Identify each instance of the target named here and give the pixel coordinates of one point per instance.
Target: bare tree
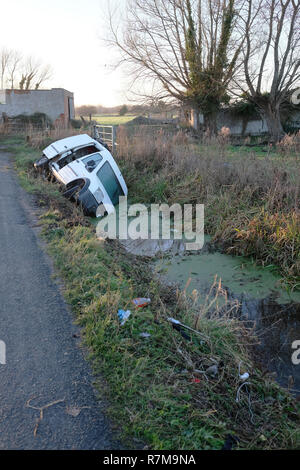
(4, 61)
(44, 75)
(188, 49)
(28, 72)
(34, 74)
(271, 74)
(13, 66)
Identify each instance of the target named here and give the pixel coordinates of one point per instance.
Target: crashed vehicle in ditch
(87, 171)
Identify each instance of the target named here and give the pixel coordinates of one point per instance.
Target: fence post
(113, 138)
(94, 135)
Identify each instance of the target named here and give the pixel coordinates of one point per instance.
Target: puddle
(238, 274)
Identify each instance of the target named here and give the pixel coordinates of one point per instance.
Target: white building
(238, 126)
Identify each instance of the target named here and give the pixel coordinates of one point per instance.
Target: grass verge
(162, 389)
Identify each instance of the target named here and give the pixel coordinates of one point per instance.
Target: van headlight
(98, 194)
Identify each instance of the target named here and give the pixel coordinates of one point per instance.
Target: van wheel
(73, 189)
(41, 165)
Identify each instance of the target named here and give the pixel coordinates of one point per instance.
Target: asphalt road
(44, 361)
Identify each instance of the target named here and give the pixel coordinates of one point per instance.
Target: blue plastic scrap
(123, 315)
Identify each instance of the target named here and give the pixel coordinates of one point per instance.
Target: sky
(67, 35)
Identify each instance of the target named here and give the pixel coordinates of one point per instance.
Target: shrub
(76, 123)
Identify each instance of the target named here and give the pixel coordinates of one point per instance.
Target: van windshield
(92, 161)
(110, 182)
(75, 154)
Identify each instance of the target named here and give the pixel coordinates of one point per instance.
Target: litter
(245, 384)
(244, 377)
(177, 322)
(212, 370)
(183, 334)
(123, 315)
(196, 381)
(141, 301)
(145, 335)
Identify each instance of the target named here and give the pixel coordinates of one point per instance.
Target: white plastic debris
(212, 370)
(176, 322)
(145, 335)
(244, 377)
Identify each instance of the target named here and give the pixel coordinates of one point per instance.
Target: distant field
(111, 120)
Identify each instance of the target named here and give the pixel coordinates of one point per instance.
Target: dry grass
(274, 181)
(39, 139)
(290, 144)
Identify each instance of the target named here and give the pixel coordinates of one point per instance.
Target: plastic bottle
(141, 301)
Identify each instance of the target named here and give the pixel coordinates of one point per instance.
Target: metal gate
(107, 134)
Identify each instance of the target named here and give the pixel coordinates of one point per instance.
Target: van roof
(66, 144)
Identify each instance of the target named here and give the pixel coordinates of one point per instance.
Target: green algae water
(237, 274)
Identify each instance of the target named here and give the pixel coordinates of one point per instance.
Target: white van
(88, 172)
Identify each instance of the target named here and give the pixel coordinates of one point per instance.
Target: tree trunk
(195, 120)
(245, 120)
(210, 123)
(272, 117)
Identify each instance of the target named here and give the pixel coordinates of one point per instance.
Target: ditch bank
(155, 384)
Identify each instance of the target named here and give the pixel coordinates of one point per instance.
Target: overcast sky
(67, 35)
